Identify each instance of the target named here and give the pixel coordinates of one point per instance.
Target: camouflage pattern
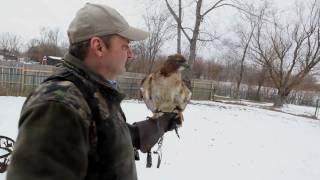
(53, 140)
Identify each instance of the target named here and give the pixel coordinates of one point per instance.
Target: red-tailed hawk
(164, 90)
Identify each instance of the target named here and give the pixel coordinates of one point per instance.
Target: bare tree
(213, 69)
(245, 39)
(289, 51)
(48, 36)
(261, 77)
(10, 44)
(200, 16)
(196, 33)
(159, 29)
(46, 45)
(230, 64)
(192, 39)
(245, 34)
(49, 40)
(178, 19)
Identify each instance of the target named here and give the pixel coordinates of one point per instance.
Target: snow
(3, 152)
(10, 108)
(222, 141)
(291, 108)
(55, 57)
(287, 108)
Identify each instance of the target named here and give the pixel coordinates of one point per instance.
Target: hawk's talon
(176, 130)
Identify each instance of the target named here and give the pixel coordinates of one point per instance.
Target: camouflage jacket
(54, 137)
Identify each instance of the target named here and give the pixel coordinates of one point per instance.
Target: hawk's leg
(157, 113)
(180, 119)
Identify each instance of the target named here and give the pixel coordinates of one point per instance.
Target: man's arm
(52, 144)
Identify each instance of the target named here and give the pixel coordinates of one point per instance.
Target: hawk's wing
(183, 96)
(146, 90)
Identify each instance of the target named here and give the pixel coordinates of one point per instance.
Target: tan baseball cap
(100, 20)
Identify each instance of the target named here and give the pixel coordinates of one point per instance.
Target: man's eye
(125, 47)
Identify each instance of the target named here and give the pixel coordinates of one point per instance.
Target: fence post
(33, 81)
(212, 92)
(131, 88)
(22, 80)
(2, 78)
(10, 81)
(317, 109)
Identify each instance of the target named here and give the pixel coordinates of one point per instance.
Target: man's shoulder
(61, 91)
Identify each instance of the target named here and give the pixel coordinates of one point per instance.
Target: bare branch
(216, 5)
(176, 18)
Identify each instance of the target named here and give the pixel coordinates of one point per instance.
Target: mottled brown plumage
(164, 90)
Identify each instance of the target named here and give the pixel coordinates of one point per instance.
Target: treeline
(263, 46)
(225, 71)
(49, 43)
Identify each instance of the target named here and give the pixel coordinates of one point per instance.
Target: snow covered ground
(287, 108)
(222, 141)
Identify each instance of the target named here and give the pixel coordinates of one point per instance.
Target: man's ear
(96, 46)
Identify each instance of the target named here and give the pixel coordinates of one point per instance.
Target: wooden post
(317, 109)
(212, 92)
(22, 80)
(2, 78)
(10, 81)
(131, 88)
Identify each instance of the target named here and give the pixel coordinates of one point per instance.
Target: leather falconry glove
(150, 130)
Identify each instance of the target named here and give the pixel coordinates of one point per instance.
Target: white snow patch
(55, 57)
(220, 141)
(3, 152)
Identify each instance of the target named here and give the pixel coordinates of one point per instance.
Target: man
(72, 126)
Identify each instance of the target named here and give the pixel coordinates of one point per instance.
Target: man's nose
(130, 54)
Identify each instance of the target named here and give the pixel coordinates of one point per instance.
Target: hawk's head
(174, 63)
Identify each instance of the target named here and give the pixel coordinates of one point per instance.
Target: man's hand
(168, 121)
(151, 130)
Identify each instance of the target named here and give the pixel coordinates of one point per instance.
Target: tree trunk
(179, 29)
(195, 35)
(236, 96)
(261, 79)
(192, 50)
(258, 93)
(279, 101)
(151, 66)
(281, 97)
(193, 42)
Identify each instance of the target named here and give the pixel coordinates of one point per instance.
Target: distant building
(51, 60)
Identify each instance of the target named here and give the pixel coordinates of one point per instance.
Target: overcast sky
(25, 17)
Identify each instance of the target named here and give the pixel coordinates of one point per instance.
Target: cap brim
(134, 34)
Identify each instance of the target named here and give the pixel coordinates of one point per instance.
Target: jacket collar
(77, 65)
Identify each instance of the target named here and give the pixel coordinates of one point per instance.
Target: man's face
(115, 57)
